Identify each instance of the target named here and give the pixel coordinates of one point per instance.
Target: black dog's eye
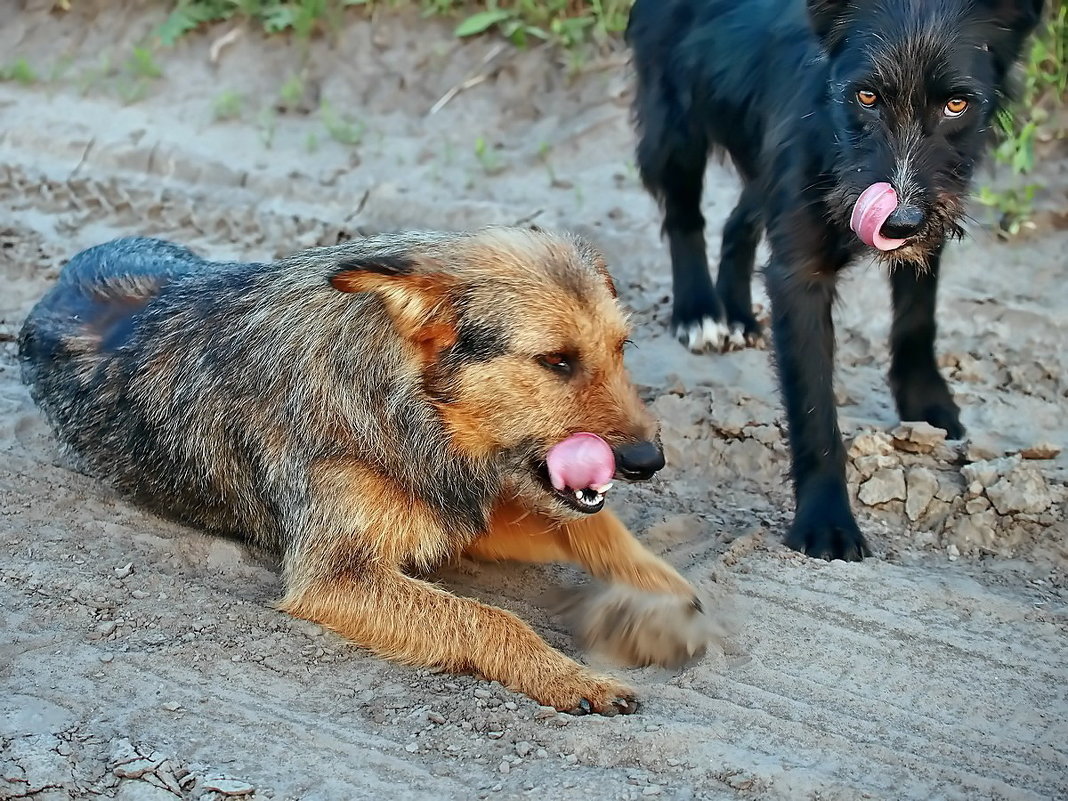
(955, 107)
(561, 363)
(867, 98)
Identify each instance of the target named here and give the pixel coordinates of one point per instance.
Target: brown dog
(369, 409)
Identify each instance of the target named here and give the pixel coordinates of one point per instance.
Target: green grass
(568, 22)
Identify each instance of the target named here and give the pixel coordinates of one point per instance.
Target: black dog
(856, 127)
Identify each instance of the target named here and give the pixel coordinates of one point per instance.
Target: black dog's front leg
(803, 335)
(919, 388)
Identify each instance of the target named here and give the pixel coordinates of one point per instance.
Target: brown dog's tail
(99, 290)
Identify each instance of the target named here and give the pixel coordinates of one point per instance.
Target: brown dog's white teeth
(602, 488)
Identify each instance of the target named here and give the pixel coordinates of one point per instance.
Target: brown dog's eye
(560, 363)
(867, 98)
(955, 107)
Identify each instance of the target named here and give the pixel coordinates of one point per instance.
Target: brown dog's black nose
(639, 460)
(903, 222)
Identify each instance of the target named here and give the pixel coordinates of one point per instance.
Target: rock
(921, 486)
(975, 530)
(870, 443)
(949, 487)
(522, 748)
(989, 471)
(1043, 450)
(886, 484)
(917, 437)
(868, 465)
(228, 786)
(107, 628)
(1023, 490)
(976, 505)
(136, 768)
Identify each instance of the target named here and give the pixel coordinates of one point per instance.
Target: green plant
(142, 64)
(227, 105)
(292, 91)
(1028, 121)
(19, 71)
(342, 129)
(301, 17)
(488, 157)
(266, 123)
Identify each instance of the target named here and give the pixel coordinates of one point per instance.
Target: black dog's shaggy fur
(815, 101)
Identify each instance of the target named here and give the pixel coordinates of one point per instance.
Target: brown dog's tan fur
(366, 409)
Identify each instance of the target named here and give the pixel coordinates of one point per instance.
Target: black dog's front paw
(929, 399)
(744, 328)
(824, 526)
(699, 323)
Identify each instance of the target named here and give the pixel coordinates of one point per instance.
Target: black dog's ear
(1019, 16)
(1007, 23)
(825, 16)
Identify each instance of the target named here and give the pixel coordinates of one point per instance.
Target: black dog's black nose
(903, 222)
(639, 460)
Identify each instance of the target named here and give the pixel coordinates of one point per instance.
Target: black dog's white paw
(703, 335)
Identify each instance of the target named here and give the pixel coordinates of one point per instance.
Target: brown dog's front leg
(418, 623)
(599, 543)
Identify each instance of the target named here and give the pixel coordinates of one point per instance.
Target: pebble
(542, 753)
(124, 571)
(140, 595)
(171, 706)
(652, 789)
(1043, 450)
(434, 717)
(107, 627)
(504, 767)
(571, 759)
(523, 748)
(412, 748)
(543, 712)
(105, 658)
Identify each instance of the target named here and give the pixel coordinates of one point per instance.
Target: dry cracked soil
(141, 660)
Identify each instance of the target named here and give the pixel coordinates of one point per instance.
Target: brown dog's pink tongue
(874, 206)
(582, 461)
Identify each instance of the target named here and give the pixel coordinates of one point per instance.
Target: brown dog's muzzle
(639, 461)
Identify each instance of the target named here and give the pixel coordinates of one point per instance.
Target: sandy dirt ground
(141, 660)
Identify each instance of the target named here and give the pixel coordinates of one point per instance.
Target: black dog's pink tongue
(582, 461)
(873, 208)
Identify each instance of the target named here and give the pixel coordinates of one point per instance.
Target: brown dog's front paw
(584, 693)
(636, 628)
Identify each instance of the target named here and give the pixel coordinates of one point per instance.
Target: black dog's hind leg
(741, 235)
(676, 178)
(803, 334)
(919, 388)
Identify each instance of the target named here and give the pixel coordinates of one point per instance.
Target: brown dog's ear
(418, 298)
